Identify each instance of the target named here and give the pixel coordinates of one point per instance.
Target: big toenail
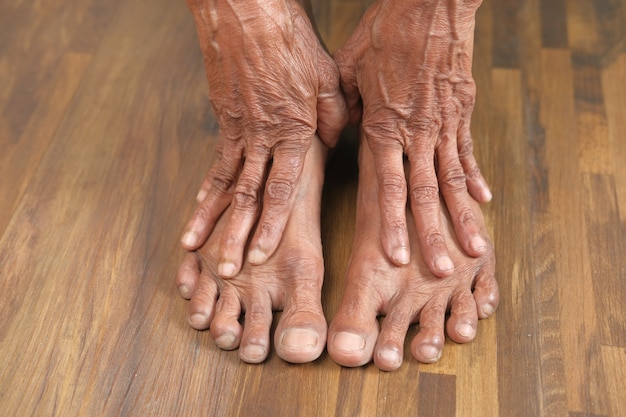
(226, 341)
(299, 338)
(189, 239)
(226, 270)
(390, 356)
(478, 244)
(401, 255)
(444, 263)
(348, 342)
(465, 330)
(257, 257)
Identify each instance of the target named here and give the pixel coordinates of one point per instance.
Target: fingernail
(444, 263)
(401, 255)
(257, 257)
(226, 270)
(226, 341)
(201, 196)
(465, 330)
(478, 244)
(299, 338)
(348, 342)
(189, 239)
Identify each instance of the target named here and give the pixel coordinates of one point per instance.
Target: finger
(222, 178)
(188, 275)
(245, 209)
(332, 111)
(345, 59)
(476, 183)
(424, 200)
(280, 193)
(392, 194)
(454, 191)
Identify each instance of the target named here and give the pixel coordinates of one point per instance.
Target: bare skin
(290, 280)
(272, 86)
(406, 294)
(406, 74)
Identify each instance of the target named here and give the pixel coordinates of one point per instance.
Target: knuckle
(454, 180)
(467, 217)
(393, 186)
(396, 226)
(465, 147)
(473, 172)
(278, 190)
(222, 181)
(246, 198)
(424, 195)
(433, 238)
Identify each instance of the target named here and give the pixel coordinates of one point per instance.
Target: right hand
(272, 86)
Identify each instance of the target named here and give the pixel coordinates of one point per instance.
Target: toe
(225, 327)
(301, 334)
(390, 344)
(353, 331)
(255, 341)
(427, 345)
(486, 293)
(461, 325)
(203, 302)
(187, 275)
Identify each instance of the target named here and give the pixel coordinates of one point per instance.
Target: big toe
(301, 334)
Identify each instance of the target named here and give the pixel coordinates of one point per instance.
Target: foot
(291, 280)
(406, 294)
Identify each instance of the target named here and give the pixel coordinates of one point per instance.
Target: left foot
(406, 294)
(291, 280)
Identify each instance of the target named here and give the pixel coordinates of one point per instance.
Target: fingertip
(443, 266)
(190, 240)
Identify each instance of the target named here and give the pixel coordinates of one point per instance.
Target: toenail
(486, 194)
(183, 290)
(198, 320)
(299, 338)
(226, 341)
(487, 310)
(189, 239)
(257, 257)
(465, 330)
(348, 342)
(201, 196)
(390, 356)
(478, 244)
(254, 353)
(444, 263)
(430, 353)
(226, 270)
(401, 255)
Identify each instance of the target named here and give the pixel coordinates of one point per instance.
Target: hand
(272, 86)
(406, 72)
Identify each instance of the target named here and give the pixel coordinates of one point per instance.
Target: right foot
(406, 294)
(291, 280)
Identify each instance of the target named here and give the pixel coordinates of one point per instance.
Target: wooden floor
(105, 135)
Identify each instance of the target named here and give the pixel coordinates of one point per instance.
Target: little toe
(461, 325)
(390, 344)
(187, 275)
(427, 345)
(255, 341)
(225, 328)
(486, 293)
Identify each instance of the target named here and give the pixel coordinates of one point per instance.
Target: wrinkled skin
(272, 86)
(405, 294)
(406, 74)
(290, 280)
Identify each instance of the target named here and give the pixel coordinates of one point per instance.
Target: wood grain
(106, 132)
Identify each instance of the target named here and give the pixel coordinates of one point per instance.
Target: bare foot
(406, 294)
(291, 280)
